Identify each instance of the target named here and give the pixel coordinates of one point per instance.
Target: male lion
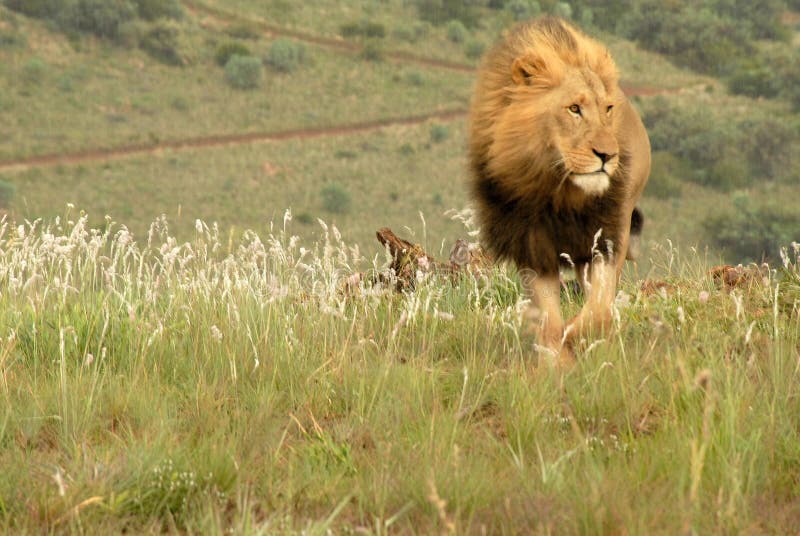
(559, 158)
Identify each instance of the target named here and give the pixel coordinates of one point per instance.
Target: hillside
(199, 333)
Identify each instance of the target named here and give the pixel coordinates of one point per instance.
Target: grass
(391, 174)
(208, 386)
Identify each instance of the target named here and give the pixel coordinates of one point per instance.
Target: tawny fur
(559, 157)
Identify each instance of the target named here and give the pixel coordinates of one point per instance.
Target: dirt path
(116, 153)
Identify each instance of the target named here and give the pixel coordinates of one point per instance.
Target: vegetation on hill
(260, 374)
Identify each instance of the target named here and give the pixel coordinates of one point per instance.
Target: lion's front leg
(599, 279)
(545, 313)
(600, 289)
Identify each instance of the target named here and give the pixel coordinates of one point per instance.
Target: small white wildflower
(89, 360)
(749, 333)
(622, 300)
(400, 324)
(441, 315)
(216, 334)
(424, 262)
(703, 296)
(681, 315)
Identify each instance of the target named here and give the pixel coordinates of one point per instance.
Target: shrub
(755, 80)
(7, 191)
(367, 29)
(10, 39)
(244, 30)
(442, 11)
(102, 18)
(227, 50)
(666, 175)
(439, 133)
(160, 41)
(33, 71)
(751, 232)
(415, 78)
(35, 8)
(523, 9)
(372, 51)
(563, 10)
(335, 198)
(285, 55)
(405, 33)
(159, 9)
(244, 72)
(350, 29)
(456, 32)
(474, 49)
(696, 37)
(374, 29)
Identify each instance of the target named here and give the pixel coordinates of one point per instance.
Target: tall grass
(266, 386)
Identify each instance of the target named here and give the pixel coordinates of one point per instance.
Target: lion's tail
(635, 242)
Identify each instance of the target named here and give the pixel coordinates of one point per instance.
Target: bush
(563, 10)
(722, 150)
(523, 9)
(35, 8)
(335, 198)
(755, 80)
(33, 71)
(752, 232)
(442, 11)
(244, 72)
(10, 39)
(474, 49)
(159, 9)
(405, 33)
(160, 41)
(367, 29)
(285, 55)
(374, 29)
(666, 175)
(372, 51)
(7, 191)
(439, 133)
(227, 50)
(102, 18)
(244, 30)
(415, 78)
(694, 37)
(456, 32)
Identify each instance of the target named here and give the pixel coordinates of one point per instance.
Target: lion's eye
(576, 109)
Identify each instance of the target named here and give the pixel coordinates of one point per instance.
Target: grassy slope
(181, 387)
(390, 175)
(78, 103)
(248, 393)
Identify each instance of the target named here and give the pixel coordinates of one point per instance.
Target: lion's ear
(527, 69)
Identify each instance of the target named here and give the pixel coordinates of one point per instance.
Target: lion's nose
(604, 157)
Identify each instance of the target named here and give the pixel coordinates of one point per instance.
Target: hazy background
(234, 111)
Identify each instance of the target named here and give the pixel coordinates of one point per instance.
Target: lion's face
(561, 124)
(580, 117)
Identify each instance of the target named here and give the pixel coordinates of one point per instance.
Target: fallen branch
(411, 260)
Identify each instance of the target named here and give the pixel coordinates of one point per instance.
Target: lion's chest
(573, 236)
